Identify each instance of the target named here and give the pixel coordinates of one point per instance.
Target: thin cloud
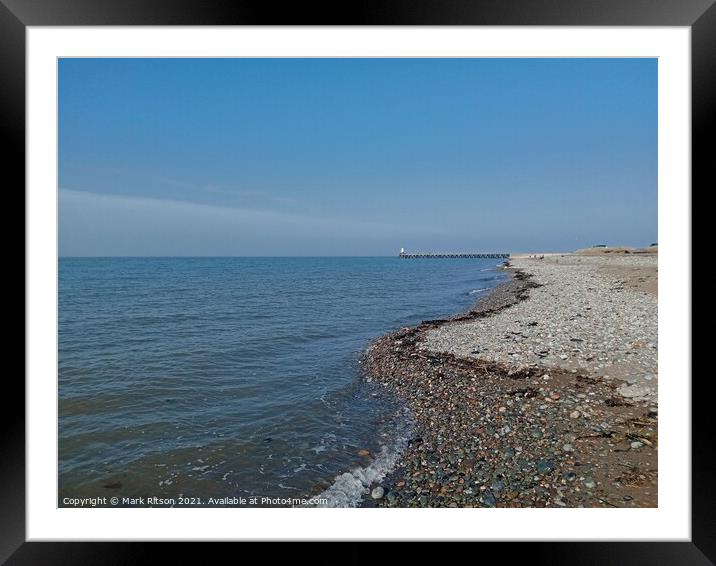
(253, 196)
(125, 225)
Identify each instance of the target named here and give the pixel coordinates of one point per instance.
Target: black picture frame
(16, 15)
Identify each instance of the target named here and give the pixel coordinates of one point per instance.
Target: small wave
(475, 291)
(348, 488)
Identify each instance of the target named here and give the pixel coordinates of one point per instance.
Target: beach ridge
(515, 427)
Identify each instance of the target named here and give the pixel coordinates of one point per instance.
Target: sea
(237, 381)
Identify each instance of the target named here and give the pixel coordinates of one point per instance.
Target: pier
(440, 255)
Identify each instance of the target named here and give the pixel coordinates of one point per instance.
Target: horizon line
(396, 255)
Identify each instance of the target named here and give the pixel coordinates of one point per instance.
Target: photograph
(375, 282)
(420, 274)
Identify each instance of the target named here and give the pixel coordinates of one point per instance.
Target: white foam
(348, 489)
(480, 290)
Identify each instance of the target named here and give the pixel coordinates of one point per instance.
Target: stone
(377, 492)
(544, 466)
(498, 486)
(632, 391)
(589, 483)
(488, 499)
(636, 445)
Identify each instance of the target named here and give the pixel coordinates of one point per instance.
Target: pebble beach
(543, 394)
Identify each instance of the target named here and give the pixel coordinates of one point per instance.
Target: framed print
(295, 277)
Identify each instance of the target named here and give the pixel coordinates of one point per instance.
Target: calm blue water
(220, 377)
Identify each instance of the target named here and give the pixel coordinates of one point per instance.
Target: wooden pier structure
(440, 255)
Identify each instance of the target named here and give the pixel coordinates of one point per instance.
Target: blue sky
(355, 156)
